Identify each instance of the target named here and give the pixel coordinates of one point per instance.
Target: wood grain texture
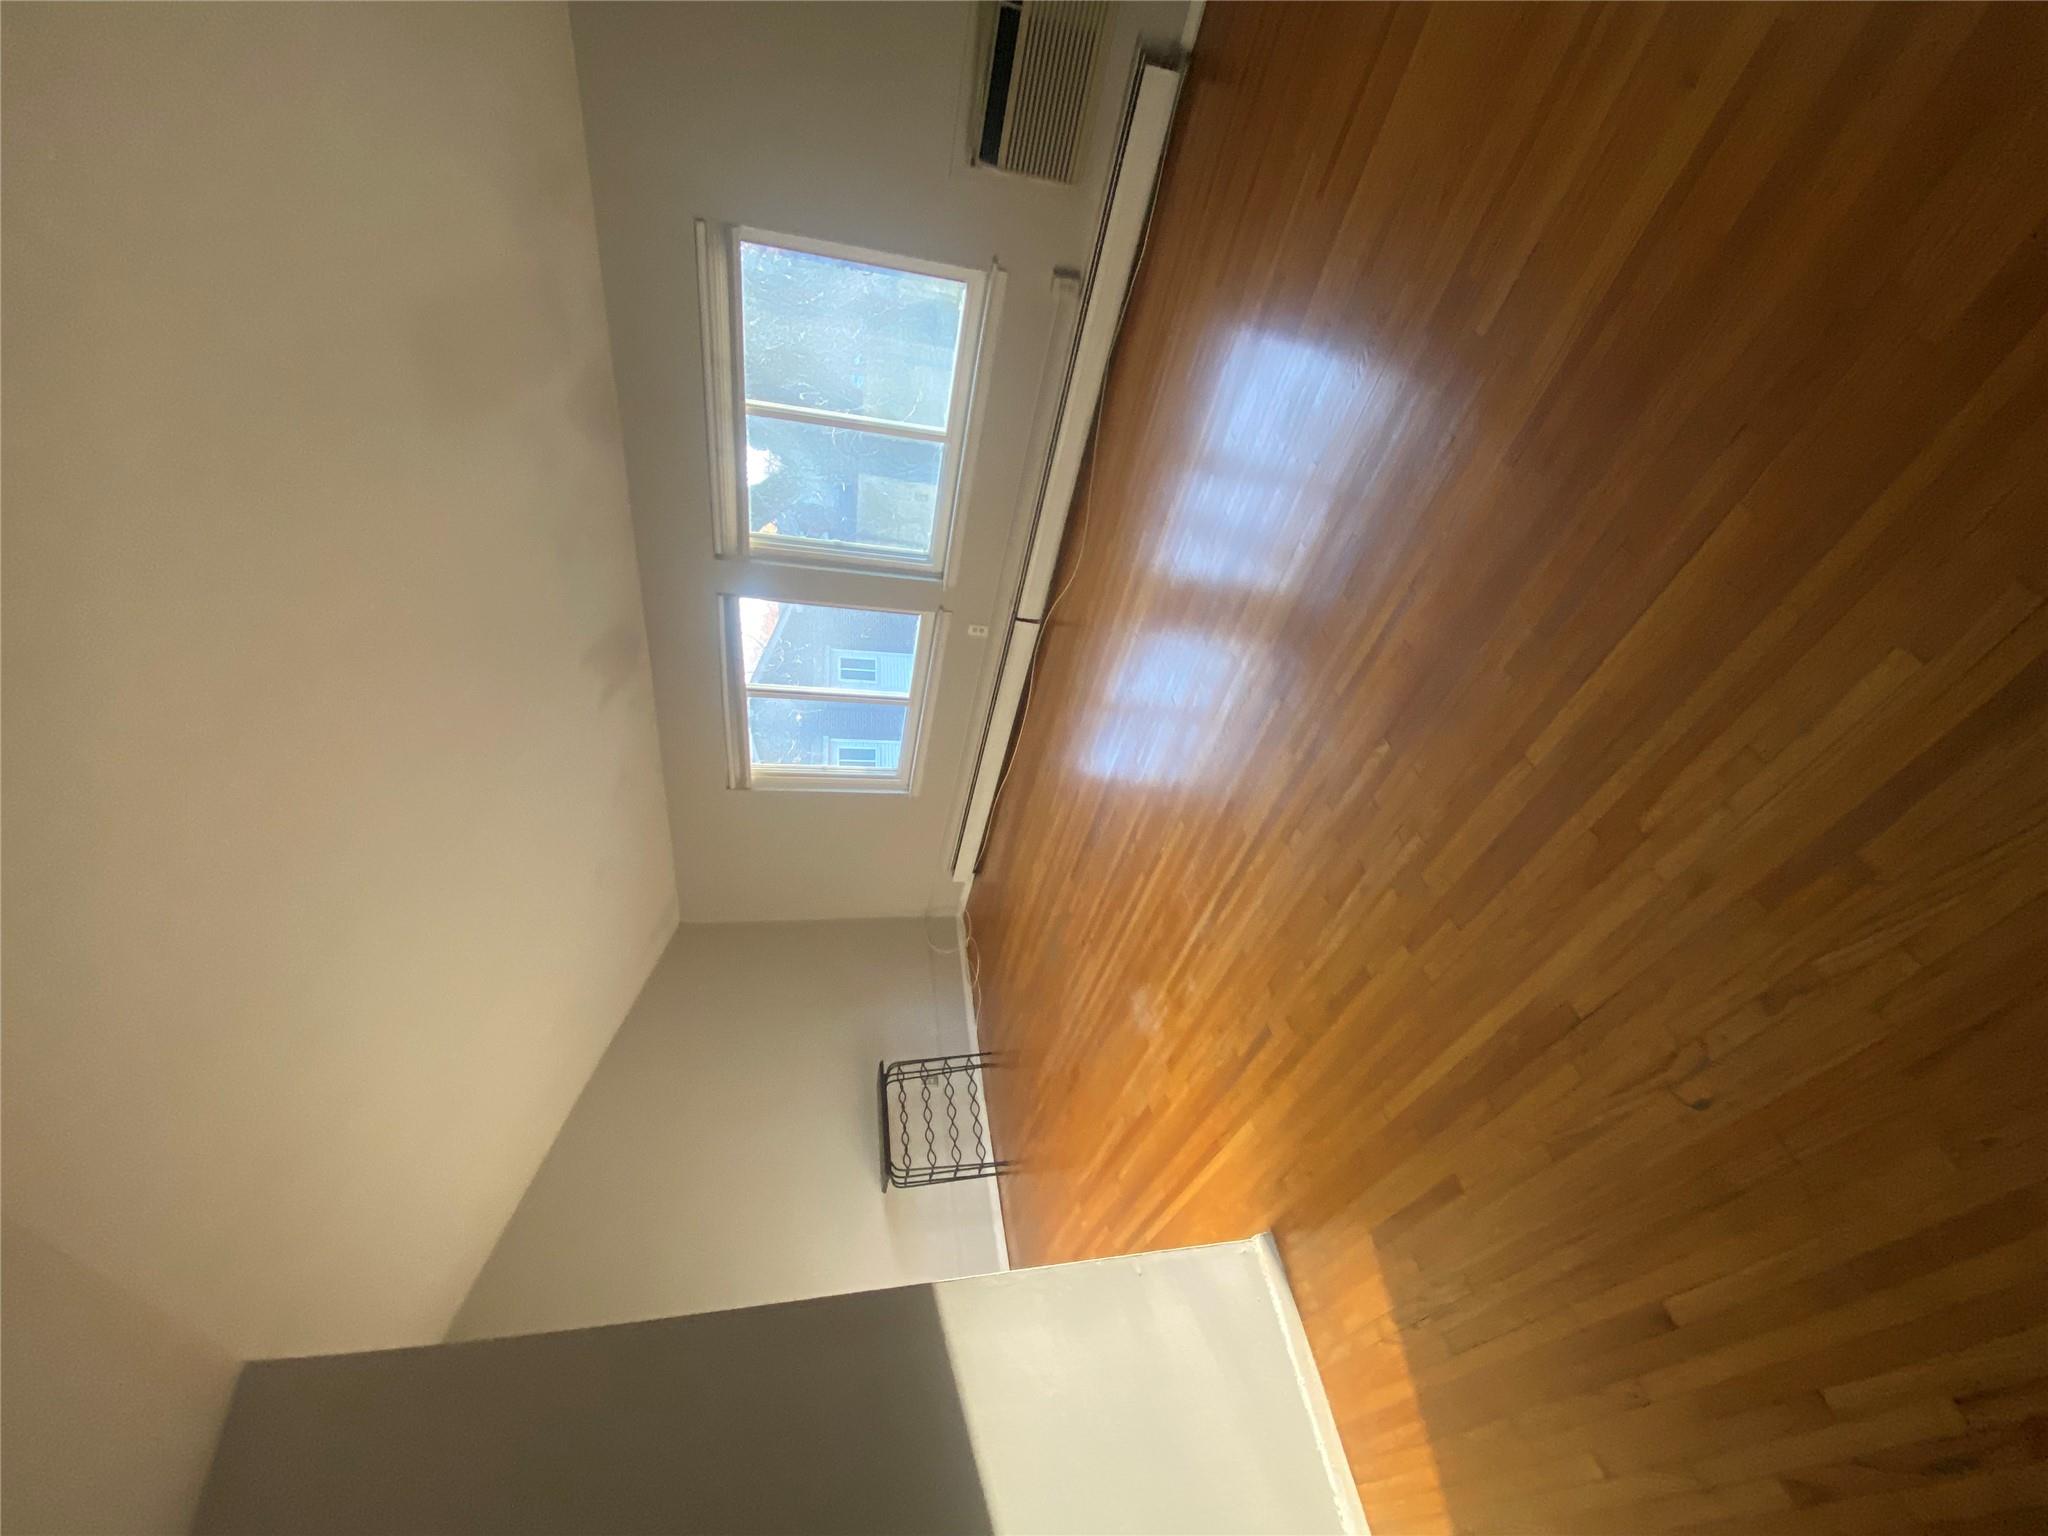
(1537, 790)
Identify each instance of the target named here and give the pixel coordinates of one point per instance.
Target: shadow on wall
(817, 1416)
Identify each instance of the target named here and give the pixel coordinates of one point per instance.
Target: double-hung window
(808, 721)
(839, 383)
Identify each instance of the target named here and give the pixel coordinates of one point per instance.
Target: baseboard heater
(1148, 118)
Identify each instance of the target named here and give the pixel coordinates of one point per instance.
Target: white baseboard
(1336, 1465)
(995, 1196)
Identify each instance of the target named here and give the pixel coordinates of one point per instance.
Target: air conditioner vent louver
(1040, 64)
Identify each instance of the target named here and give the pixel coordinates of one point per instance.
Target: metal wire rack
(935, 1127)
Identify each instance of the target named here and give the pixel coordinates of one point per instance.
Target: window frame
(727, 407)
(901, 780)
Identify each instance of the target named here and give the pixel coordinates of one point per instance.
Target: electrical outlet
(977, 631)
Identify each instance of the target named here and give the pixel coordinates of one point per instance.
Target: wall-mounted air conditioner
(1036, 66)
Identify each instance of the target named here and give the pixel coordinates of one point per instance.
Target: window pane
(844, 336)
(831, 735)
(801, 645)
(839, 486)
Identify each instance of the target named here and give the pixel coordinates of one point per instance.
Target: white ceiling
(335, 838)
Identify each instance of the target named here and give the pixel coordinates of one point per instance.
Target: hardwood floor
(1538, 788)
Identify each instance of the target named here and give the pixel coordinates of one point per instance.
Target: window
(865, 754)
(806, 717)
(839, 382)
(886, 669)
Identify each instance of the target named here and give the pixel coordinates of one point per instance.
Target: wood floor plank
(1536, 783)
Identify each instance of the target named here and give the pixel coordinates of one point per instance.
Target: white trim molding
(961, 941)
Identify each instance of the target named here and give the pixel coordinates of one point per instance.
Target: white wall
(110, 1408)
(335, 837)
(1156, 1392)
(845, 122)
(726, 1151)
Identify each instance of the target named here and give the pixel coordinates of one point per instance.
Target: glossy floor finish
(1538, 788)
